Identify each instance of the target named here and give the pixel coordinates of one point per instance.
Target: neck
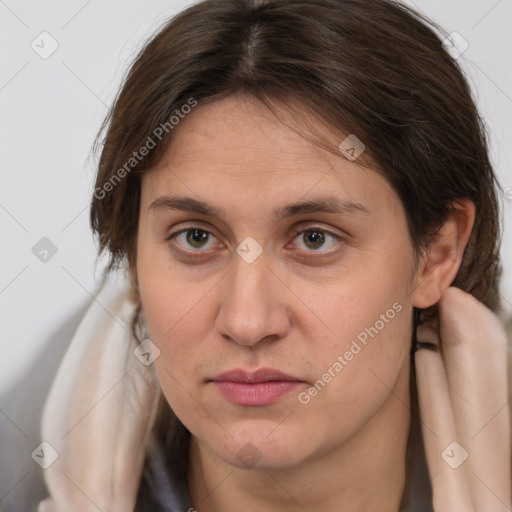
(367, 472)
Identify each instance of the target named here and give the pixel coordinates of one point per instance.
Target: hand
(463, 398)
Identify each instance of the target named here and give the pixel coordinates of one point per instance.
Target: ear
(442, 258)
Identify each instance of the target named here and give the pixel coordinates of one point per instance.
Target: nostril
(251, 342)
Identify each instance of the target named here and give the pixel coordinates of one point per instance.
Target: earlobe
(443, 256)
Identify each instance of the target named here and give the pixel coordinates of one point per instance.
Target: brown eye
(196, 237)
(314, 242)
(313, 238)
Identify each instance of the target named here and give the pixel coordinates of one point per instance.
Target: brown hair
(373, 68)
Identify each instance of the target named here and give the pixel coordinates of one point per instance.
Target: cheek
(169, 300)
(368, 326)
(178, 316)
(356, 374)
(177, 320)
(366, 302)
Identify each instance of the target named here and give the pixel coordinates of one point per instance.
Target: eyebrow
(329, 204)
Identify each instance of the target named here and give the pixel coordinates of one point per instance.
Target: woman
(302, 197)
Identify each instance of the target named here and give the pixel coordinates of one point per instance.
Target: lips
(262, 387)
(258, 376)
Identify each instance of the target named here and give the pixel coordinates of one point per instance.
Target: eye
(315, 239)
(199, 240)
(193, 238)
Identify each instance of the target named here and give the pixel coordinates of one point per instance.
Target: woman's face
(260, 253)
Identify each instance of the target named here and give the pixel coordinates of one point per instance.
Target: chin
(263, 449)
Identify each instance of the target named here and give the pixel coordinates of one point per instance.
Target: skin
(295, 308)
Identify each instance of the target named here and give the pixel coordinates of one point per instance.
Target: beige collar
(100, 411)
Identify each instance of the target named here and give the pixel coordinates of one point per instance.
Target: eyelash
(197, 253)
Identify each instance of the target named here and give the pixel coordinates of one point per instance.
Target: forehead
(235, 148)
(239, 127)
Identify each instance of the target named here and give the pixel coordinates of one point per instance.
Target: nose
(253, 306)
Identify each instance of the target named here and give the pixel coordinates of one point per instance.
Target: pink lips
(259, 388)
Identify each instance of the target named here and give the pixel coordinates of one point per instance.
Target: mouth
(259, 388)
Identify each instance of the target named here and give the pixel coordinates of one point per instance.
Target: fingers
(475, 356)
(451, 491)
